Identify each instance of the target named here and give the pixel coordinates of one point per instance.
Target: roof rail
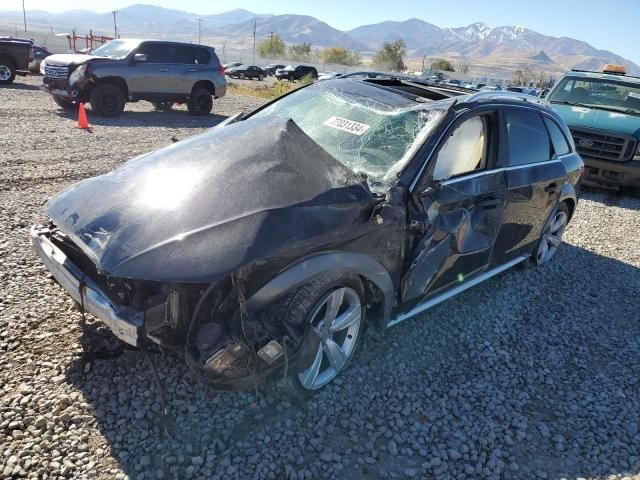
(488, 96)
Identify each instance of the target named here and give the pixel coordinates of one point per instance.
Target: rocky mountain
(292, 29)
(506, 46)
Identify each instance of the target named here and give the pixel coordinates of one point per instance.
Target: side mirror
(140, 58)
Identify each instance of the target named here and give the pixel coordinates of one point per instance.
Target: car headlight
(77, 74)
(42, 65)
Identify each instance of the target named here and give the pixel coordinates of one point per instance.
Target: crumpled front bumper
(125, 324)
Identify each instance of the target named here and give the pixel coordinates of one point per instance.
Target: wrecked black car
(350, 201)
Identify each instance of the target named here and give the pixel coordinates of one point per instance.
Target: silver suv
(128, 70)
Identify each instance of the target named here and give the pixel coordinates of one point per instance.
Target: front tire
(331, 310)
(551, 237)
(64, 104)
(200, 102)
(7, 72)
(107, 100)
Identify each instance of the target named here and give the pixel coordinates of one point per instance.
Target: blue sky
(609, 25)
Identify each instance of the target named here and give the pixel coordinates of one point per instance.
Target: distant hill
(506, 46)
(293, 29)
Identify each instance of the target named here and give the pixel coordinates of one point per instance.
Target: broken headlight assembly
(77, 75)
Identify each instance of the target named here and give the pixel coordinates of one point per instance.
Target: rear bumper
(124, 324)
(611, 174)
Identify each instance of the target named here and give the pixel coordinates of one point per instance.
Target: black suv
(128, 70)
(15, 55)
(296, 73)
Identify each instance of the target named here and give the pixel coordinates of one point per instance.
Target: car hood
(66, 59)
(203, 207)
(599, 119)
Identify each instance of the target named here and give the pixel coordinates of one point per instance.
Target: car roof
(171, 42)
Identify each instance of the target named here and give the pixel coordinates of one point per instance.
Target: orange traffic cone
(82, 118)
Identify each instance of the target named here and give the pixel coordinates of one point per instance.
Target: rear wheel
(7, 71)
(200, 102)
(260, 77)
(107, 100)
(63, 103)
(551, 238)
(331, 311)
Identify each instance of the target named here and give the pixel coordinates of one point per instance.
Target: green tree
(340, 56)
(391, 56)
(302, 51)
(443, 64)
(272, 47)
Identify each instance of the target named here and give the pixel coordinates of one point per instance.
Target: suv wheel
(200, 102)
(7, 71)
(107, 100)
(64, 103)
(260, 77)
(331, 310)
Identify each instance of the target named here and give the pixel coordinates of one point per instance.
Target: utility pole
(254, 41)
(224, 52)
(115, 24)
(199, 31)
(424, 57)
(24, 16)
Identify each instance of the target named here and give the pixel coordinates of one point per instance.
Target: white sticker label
(634, 94)
(347, 125)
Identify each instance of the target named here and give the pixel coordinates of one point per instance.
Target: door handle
(164, 69)
(551, 188)
(192, 70)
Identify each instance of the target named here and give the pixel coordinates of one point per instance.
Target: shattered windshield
(115, 48)
(372, 138)
(599, 93)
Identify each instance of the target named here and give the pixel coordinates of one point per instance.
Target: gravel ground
(531, 375)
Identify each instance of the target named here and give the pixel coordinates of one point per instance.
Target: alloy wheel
(552, 237)
(5, 73)
(336, 322)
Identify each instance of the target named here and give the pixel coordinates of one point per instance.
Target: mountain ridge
(477, 42)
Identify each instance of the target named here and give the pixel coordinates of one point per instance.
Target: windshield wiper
(628, 111)
(564, 102)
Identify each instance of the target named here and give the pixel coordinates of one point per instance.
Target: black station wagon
(265, 244)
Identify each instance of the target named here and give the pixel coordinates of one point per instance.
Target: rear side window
(180, 54)
(202, 56)
(528, 138)
(559, 141)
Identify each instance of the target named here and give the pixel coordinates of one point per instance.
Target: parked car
(129, 70)
(328, 75)
(272, 67)
(248, 71)
(292, 73)
(271, 258)
(39, 54)
(232, 65)
(15, 55)
(602, 110)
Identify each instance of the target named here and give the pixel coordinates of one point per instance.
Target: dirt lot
(534, 374)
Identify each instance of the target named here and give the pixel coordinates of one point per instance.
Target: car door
(534, 176)
(152, 76)
(188, 65)
(455, 215)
